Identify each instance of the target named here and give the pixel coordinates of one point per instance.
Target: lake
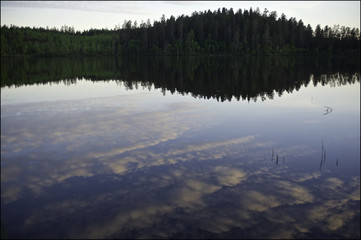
(192, 147)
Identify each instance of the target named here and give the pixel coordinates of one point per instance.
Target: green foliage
(218, 32)
(40, 42)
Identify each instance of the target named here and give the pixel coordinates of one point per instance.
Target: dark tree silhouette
(220, 32)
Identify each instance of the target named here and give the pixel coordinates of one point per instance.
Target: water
(180, 148)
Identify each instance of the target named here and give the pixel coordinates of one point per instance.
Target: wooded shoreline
(222, 32)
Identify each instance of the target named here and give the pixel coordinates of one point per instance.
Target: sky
(84, 15)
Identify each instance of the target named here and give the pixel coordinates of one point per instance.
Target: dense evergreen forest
(247, 32)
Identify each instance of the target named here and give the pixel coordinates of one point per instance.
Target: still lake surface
(213, 147)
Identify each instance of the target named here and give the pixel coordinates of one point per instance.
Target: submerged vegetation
(247, 32)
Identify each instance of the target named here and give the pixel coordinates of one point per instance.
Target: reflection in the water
(149, 166)
(222, 78)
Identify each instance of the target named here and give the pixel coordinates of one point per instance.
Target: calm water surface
(135, 149)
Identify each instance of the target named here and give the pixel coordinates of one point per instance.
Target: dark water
(180, 148)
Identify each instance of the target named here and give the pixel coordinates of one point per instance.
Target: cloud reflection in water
(105, 168)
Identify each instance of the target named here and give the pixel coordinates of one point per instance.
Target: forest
(221, 32)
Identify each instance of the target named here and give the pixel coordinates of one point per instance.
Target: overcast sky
(84, 15)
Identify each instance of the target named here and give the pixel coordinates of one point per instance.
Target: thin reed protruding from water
(322, 150)
(322, 155)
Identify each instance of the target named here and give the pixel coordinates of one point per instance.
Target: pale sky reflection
(148, 154)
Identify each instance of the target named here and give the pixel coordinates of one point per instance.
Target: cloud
(114, 136)
(120, 166)
(159, 180)
(296, 193)
(191, 195)
(49, 212)
(333, 183)
(227, 176)
(336, 213)
(141, 218)
(11, 194)
(220, 224)
(119, 7)
(257, 201)
(218, 198)
(302, 177)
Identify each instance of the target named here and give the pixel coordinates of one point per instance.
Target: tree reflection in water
(222, 78)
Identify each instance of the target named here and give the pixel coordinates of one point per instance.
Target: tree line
(245, 32)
